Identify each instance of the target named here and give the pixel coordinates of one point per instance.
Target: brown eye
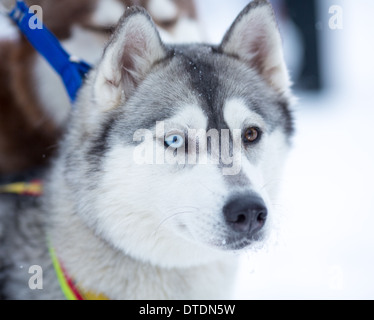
(252, 135)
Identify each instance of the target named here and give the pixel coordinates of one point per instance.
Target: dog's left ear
(128, 58)
(254, 38)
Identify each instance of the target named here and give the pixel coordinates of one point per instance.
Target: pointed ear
(254, 38)
(128, 58)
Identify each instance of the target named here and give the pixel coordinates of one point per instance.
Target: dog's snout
(246, 214)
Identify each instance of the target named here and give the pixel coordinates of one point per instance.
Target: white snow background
(325, 248)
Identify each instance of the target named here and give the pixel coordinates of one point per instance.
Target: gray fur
(79, 182)
(23, 243)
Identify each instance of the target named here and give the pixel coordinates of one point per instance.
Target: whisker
(172, 209)
(213, 192)
(270, 182)
(168, 218)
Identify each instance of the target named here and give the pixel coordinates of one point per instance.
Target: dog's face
(173, 153)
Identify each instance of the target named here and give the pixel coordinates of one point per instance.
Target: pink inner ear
(134, 46)
(260, 45)
(133, 55)
(256, 46)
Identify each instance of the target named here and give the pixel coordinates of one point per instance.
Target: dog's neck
(98, 267)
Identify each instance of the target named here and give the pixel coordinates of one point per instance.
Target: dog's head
(173, 152)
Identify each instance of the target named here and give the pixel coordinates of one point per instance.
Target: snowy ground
(326, 243)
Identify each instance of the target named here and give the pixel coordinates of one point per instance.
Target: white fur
(108, 271)
(173, 233)
(163, 247)
(139, 249)
(165, 239)
(190, 116)
(266, 169)
(238, 116)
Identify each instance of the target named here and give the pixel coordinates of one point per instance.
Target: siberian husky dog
(167, 171)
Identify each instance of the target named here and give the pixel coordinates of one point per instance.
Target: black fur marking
(288, 119)
(205, 81)
(206, 84)
(99, 146)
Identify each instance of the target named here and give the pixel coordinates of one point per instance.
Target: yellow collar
(33, 188)
(68, 287)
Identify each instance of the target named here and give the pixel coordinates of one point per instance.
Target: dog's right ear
(128, 58)
(254, 38)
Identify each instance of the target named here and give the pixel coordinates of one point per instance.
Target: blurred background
(325, 244)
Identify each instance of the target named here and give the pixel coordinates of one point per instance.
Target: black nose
(245, 214)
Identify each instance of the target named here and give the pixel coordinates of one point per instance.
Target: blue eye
(174, 141)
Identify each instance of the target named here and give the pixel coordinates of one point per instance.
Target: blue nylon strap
(71, 71)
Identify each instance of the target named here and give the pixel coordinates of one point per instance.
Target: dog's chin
(227, 241)
(235, 243)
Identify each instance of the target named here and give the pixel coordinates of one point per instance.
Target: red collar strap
(33, 188)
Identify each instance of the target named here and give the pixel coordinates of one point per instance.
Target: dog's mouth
(223, 237)
(237, 243)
